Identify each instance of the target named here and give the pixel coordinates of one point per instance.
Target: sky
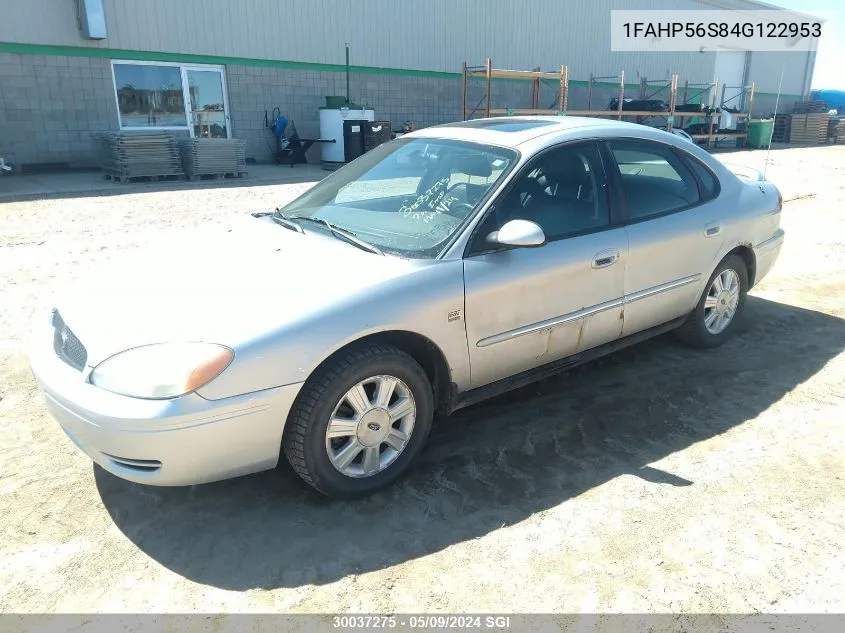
(830, 57)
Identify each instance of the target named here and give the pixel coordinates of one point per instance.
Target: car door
(673, 228)
(526, 307)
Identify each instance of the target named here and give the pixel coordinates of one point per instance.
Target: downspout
(746, 72)
(809, 68)
(347, 74)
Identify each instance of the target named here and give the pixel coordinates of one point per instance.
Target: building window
(171, 96)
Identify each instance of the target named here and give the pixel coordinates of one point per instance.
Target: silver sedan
(439, 269)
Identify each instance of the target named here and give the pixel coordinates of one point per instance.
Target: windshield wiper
(278, 218)
(338, 232)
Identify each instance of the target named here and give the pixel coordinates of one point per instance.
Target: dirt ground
(661, 479)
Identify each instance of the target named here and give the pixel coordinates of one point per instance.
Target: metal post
(464, 94)
(489, 75)
(621, 95)
(713, 114)
(590, 92)
(643, 87)
(748, 111)
(563, 101)
(751, 100)
(686, 88)
(347, 72)
(722, 103)
(535, 90)
(673, 95)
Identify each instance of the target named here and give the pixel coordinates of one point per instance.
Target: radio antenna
(777, 103)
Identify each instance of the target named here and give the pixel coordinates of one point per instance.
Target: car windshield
(407, 197)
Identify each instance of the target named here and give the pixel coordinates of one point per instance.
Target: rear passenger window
(654, 180)
(709, 184)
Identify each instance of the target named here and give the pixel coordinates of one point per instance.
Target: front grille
(67, 346)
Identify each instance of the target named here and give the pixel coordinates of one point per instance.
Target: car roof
(512, 131)
(530, 134)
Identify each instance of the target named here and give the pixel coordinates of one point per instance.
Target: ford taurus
(436, 270)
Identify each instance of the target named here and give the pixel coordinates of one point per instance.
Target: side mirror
(521, 233)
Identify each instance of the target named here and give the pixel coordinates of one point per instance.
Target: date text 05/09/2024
(358, 622)
(723, 29)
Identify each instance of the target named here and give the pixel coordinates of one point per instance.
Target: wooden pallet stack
(213, 157)
(809, 129)
(838, 135)
(809, 107)
(783, 125)
(809, 122)
(133, 156)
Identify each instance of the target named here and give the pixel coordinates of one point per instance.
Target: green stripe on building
(218, 60)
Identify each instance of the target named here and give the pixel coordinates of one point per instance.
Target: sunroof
(503, 125)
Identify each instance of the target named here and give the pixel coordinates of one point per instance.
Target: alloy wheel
(721, 302)
(370, 426)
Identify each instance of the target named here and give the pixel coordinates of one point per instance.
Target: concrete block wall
(300, 93)
(50, 105)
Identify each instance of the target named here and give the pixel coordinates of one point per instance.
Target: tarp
(835, 98)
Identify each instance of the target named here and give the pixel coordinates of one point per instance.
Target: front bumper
(181, 441)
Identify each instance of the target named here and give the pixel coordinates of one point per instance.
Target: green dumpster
(760, 132)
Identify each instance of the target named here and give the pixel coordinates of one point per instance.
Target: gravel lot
(660, 479)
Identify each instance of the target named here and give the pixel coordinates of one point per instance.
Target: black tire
(693, 331)
(304, 440)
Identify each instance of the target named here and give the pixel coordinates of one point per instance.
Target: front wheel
(359, 421)
(720, 307)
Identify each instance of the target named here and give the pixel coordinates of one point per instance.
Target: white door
(730, 72)
(207, 102)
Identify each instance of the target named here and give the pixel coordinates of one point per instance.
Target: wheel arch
(747, 254)
(419, 347)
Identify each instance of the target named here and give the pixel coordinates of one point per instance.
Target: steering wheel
(459, 210)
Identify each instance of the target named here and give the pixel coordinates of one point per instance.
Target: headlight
(162, 370)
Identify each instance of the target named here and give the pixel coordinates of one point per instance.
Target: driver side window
(563, 190)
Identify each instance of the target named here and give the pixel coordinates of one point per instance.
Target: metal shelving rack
(744, 92)
(488, 73)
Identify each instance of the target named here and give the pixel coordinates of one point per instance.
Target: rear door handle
(605, 258)
(712, 229)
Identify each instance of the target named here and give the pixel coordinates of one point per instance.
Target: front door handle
(605, 258)
(712, 229)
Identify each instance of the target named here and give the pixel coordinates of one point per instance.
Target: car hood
(229, 285)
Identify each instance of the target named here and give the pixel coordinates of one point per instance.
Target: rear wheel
(720, 306)
(359, 421)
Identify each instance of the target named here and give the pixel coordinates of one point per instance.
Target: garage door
(730, 72)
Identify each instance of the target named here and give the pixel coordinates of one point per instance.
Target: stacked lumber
(810, 129)
(217, 157)
(124, 156)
